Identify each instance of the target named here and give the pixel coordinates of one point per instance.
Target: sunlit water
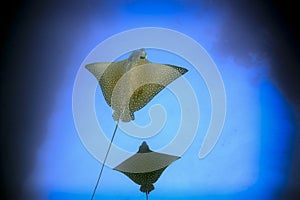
(248, 160)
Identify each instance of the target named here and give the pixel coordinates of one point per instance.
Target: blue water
(250, 159)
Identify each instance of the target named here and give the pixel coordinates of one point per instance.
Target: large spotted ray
(128, 86)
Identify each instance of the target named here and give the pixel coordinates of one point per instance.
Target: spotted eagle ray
(145, 167)
(129, 85)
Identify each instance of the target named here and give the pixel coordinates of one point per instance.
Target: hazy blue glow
(241, 165)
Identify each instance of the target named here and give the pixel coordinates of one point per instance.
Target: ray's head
(137, 54)
(144, 148)
(142, 53)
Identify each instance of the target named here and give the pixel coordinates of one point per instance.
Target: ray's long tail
(105, 158)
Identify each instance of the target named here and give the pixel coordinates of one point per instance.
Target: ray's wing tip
(116, 167)
(183, 70)
(88, 66)
(176, 158)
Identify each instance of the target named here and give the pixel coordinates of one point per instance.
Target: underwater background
(253, 44)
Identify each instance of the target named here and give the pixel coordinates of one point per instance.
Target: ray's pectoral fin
(144, 83)
(181, 70)
(164, 75)
(97, 68)
(107, 74)
(143, 95)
